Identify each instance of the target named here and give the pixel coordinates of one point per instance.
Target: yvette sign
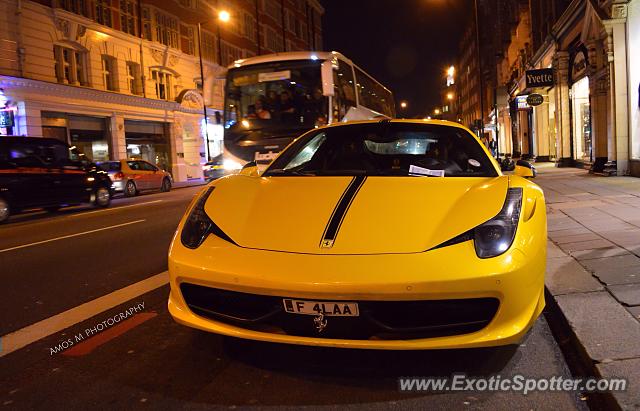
(539, 78)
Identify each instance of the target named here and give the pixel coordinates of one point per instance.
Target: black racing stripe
(331, 231)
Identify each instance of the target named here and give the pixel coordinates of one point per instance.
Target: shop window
(70, 65)
(109, 76)
(164, 82)
(186, 39)
(581, 111)
(133, 78)
(128, 14)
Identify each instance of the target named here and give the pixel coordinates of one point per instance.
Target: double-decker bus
(271, 99)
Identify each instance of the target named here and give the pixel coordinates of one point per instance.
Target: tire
(166, 185)
(130, 189)
(103, 197)
(5, 210)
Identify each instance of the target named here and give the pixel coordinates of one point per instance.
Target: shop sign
(6, 118)
(579, 67)
(521, 102)
(535, 99)
(539, 78)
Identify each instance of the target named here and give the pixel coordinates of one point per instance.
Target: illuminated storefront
(581, 135)
(633, 39)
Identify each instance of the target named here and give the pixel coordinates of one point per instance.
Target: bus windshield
(279, 94)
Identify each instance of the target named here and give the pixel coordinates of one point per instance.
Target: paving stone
(553, 251)
(586, 245)
(628, 294)
(562, 239)
(629, 369)
(565, 275)
(618, 275)
(611, 262)
(565, 232)
(598, 253)
(603, 326)
(635, 311)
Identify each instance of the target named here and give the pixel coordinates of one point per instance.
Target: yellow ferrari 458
(379, 234)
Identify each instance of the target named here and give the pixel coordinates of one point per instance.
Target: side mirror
(507, 164)
(250, 169)
(525, 169)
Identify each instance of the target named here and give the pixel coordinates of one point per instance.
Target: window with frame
(104, 13)
(208, 42)
(134, 81)
(166, 29)
(164, 83)
(109, 77)
(230, 53)
(146, 24)
(70, 65)
(274, 40)
(272, 9)
(249, 29)
(128, 17)
(186, 39)
(75, 6)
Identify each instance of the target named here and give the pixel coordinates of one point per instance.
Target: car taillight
(118, 176)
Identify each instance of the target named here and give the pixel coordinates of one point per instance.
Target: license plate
(328, 308)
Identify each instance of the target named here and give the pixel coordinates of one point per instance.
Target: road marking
(35, 332)
(80, 214)
(71, 235)
(104, 337)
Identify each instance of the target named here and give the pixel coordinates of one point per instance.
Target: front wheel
(5, 210)
(103, 197)
(166, 185)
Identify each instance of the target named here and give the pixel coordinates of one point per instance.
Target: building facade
(122, 78)
(568, 82)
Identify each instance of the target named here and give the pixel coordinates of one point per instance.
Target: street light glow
(224, 16)
(450, 96)
(403, 104)
(436, 111)
(451, 71)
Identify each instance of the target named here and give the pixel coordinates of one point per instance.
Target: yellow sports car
(378, 234)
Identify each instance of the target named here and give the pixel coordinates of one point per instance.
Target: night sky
(405, 44)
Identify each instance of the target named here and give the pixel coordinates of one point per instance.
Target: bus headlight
(231, 165)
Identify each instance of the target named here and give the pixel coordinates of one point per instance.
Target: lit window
(133, 78)
(163, 82)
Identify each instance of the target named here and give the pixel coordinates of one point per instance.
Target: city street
(153, 361)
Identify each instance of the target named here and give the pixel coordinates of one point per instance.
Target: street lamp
(436, 111)
(223, 16)
(403, 104)
(449, 96)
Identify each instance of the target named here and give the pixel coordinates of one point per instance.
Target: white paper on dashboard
(425, 171)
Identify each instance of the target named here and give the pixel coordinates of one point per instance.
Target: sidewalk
(593, 267)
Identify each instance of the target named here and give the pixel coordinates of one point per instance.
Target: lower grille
(389, 320)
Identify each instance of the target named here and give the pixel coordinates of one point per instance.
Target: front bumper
(515, 279)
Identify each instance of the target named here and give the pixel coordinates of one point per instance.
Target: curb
(575, 354)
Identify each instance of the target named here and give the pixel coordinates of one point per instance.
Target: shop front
(633, 39)
(580, 110)
(88, 134)
(149, 141)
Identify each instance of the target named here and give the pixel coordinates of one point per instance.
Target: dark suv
(47, 173)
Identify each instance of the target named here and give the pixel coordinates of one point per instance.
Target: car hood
(385, 215)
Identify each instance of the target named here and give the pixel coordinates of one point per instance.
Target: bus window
(345, 92)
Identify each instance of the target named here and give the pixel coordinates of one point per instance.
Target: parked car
(400, 234)
(132, 176)
(46, 173)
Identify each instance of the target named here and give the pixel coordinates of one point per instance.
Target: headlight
(231, 165)
(198, 224)
(496, 235)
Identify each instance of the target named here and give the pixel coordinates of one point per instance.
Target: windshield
(275, 94)
(386, 149)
